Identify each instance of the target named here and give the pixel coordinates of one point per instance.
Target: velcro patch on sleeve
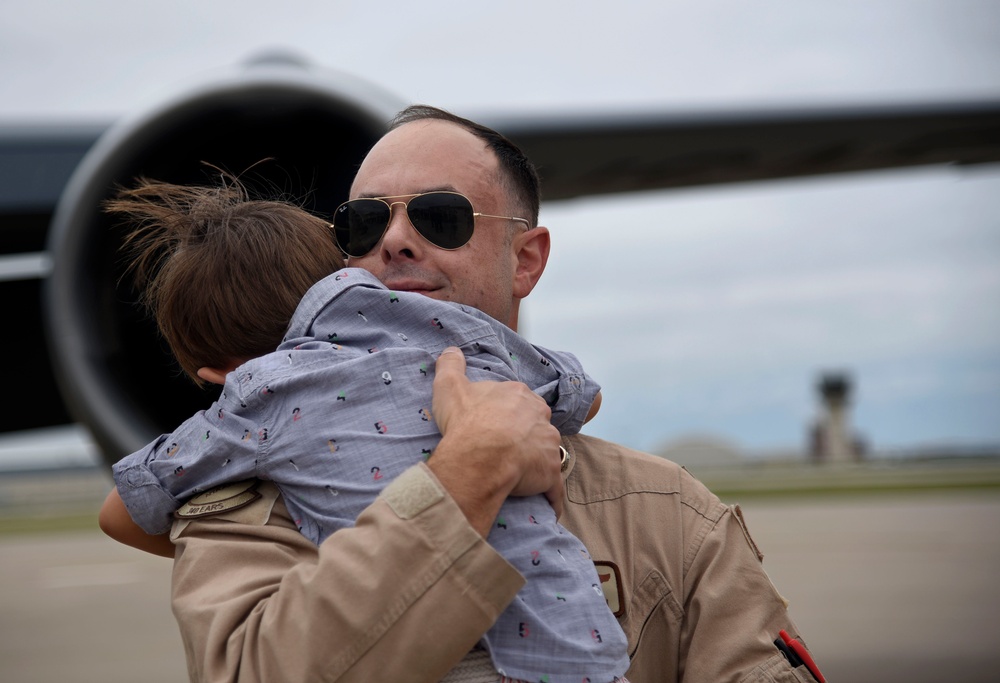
(220, 499)
(411, 493)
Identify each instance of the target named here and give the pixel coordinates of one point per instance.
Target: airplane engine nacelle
(116, 375)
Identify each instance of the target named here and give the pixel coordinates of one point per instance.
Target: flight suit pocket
(642, 617)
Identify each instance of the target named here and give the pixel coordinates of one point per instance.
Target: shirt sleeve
(556, 376)
(559, 378)
(256, 601)
(214, 447)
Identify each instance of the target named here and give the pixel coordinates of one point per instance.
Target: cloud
(726, 303)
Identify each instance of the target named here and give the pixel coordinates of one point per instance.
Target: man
(408, 591)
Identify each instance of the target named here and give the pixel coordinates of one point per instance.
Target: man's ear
(213, 375)
(531, 248)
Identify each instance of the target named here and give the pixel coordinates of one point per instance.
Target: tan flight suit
(406, 593)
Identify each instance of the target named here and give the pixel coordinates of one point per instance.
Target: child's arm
(117, 523)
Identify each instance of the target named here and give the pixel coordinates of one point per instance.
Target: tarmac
(883, 587)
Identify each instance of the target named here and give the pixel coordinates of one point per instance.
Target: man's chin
(431, 293)
(415, 287)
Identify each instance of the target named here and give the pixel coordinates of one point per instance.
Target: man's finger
(555, 498)
(449, 373)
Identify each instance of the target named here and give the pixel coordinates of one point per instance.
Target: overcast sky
(725, 303)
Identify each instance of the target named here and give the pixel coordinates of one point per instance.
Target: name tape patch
(611, 585)
(220, 499)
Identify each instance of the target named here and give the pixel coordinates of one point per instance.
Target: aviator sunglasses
(445, 219)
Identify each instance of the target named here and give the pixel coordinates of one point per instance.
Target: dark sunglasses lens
(359, 225)
(444, 218)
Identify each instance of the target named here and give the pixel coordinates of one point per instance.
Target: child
(343, 405)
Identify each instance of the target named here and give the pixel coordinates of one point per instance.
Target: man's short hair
(221, 273)
(517, 172)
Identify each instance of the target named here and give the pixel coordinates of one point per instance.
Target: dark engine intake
(115, 374)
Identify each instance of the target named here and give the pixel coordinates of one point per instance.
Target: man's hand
(497, 442)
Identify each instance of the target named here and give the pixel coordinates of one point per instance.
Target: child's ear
(213, 375)
(218, 375)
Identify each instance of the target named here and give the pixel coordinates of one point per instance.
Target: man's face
(422, 156)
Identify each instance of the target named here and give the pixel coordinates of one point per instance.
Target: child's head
(220, 272)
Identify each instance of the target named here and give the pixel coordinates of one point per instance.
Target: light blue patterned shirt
(344, 406)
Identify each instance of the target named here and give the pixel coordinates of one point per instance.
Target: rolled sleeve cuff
(576, 393)
(149, 504)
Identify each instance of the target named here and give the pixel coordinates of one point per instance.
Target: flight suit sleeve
(402, 596)
(734, 613)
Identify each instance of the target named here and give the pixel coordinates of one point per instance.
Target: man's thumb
(450, 363)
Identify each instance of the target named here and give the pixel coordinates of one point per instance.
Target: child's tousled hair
(220, 272)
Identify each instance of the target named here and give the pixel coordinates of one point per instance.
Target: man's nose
(400, 239)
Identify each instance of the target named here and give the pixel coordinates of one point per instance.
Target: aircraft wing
(57, 267)
(602, 154)
(592, 154)
(620, 152)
